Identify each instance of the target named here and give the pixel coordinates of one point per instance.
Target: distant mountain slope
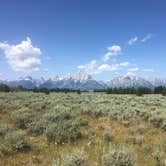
(129, 81)
(84, 81)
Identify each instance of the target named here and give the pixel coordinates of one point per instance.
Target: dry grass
(43, 153)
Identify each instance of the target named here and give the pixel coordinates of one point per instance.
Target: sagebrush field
(87, 129)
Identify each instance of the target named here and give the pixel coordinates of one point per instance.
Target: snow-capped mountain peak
(82, 76)
(84, 81)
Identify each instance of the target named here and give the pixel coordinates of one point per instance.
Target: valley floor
(55, 125)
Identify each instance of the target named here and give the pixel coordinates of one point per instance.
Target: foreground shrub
(5, 149)
(14, 142)
(36, 127)
(22, 117)
(38, 106)
(3, 129)
(164, 126)
(63, 131)
(156, 120)
(117, 157)
(57, 115)
(81, 121)
(76, 158)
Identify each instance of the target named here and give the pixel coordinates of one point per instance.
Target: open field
(95, 129)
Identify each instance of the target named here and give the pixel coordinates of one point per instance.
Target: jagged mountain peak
(84, 81)
(82, 76)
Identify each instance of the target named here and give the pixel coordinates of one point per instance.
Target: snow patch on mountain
(84, 81)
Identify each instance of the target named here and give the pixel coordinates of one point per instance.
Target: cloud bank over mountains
(25, 57)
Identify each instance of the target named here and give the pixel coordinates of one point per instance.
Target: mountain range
(84, 81)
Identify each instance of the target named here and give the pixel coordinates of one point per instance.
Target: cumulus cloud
(95, 68)
(130, 73)
(104, 67)
(89, 67)
(148, 70)
(112, 67)
(113, 51)
(133, 40)
(147, 37)
(22, 57)
(133, 69)
(124, 64)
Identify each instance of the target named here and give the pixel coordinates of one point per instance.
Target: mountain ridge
(84, 81)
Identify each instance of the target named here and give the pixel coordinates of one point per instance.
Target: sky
(104, 38)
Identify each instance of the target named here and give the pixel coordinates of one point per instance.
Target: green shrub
(98, 113)
(22, 117)
(57, 115)
(36, 127)
(62, 131)
(163, 126)
(5, 149)
(3, 129)
(117, 157)
(16, 141)
(38, 106)
(76, 158)
(82, 121)
(156, 120)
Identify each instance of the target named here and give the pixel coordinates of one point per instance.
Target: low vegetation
(82, 129)
(117, 157)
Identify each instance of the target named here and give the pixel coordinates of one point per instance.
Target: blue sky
(105, 38)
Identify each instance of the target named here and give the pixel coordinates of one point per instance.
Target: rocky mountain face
(84, 81)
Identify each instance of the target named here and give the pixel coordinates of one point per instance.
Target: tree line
(6, 88)
(138, 91)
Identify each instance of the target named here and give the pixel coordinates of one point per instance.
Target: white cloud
(104, 67)
(133, 69)
(133, 40)
(144, 39)
(22, 57)
(147, 37)
(89, 67)
(130, 73)
(115, 50)
(113, 67)
(124, 64)
(148, 70)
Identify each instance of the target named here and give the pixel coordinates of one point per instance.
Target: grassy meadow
(87, 129)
